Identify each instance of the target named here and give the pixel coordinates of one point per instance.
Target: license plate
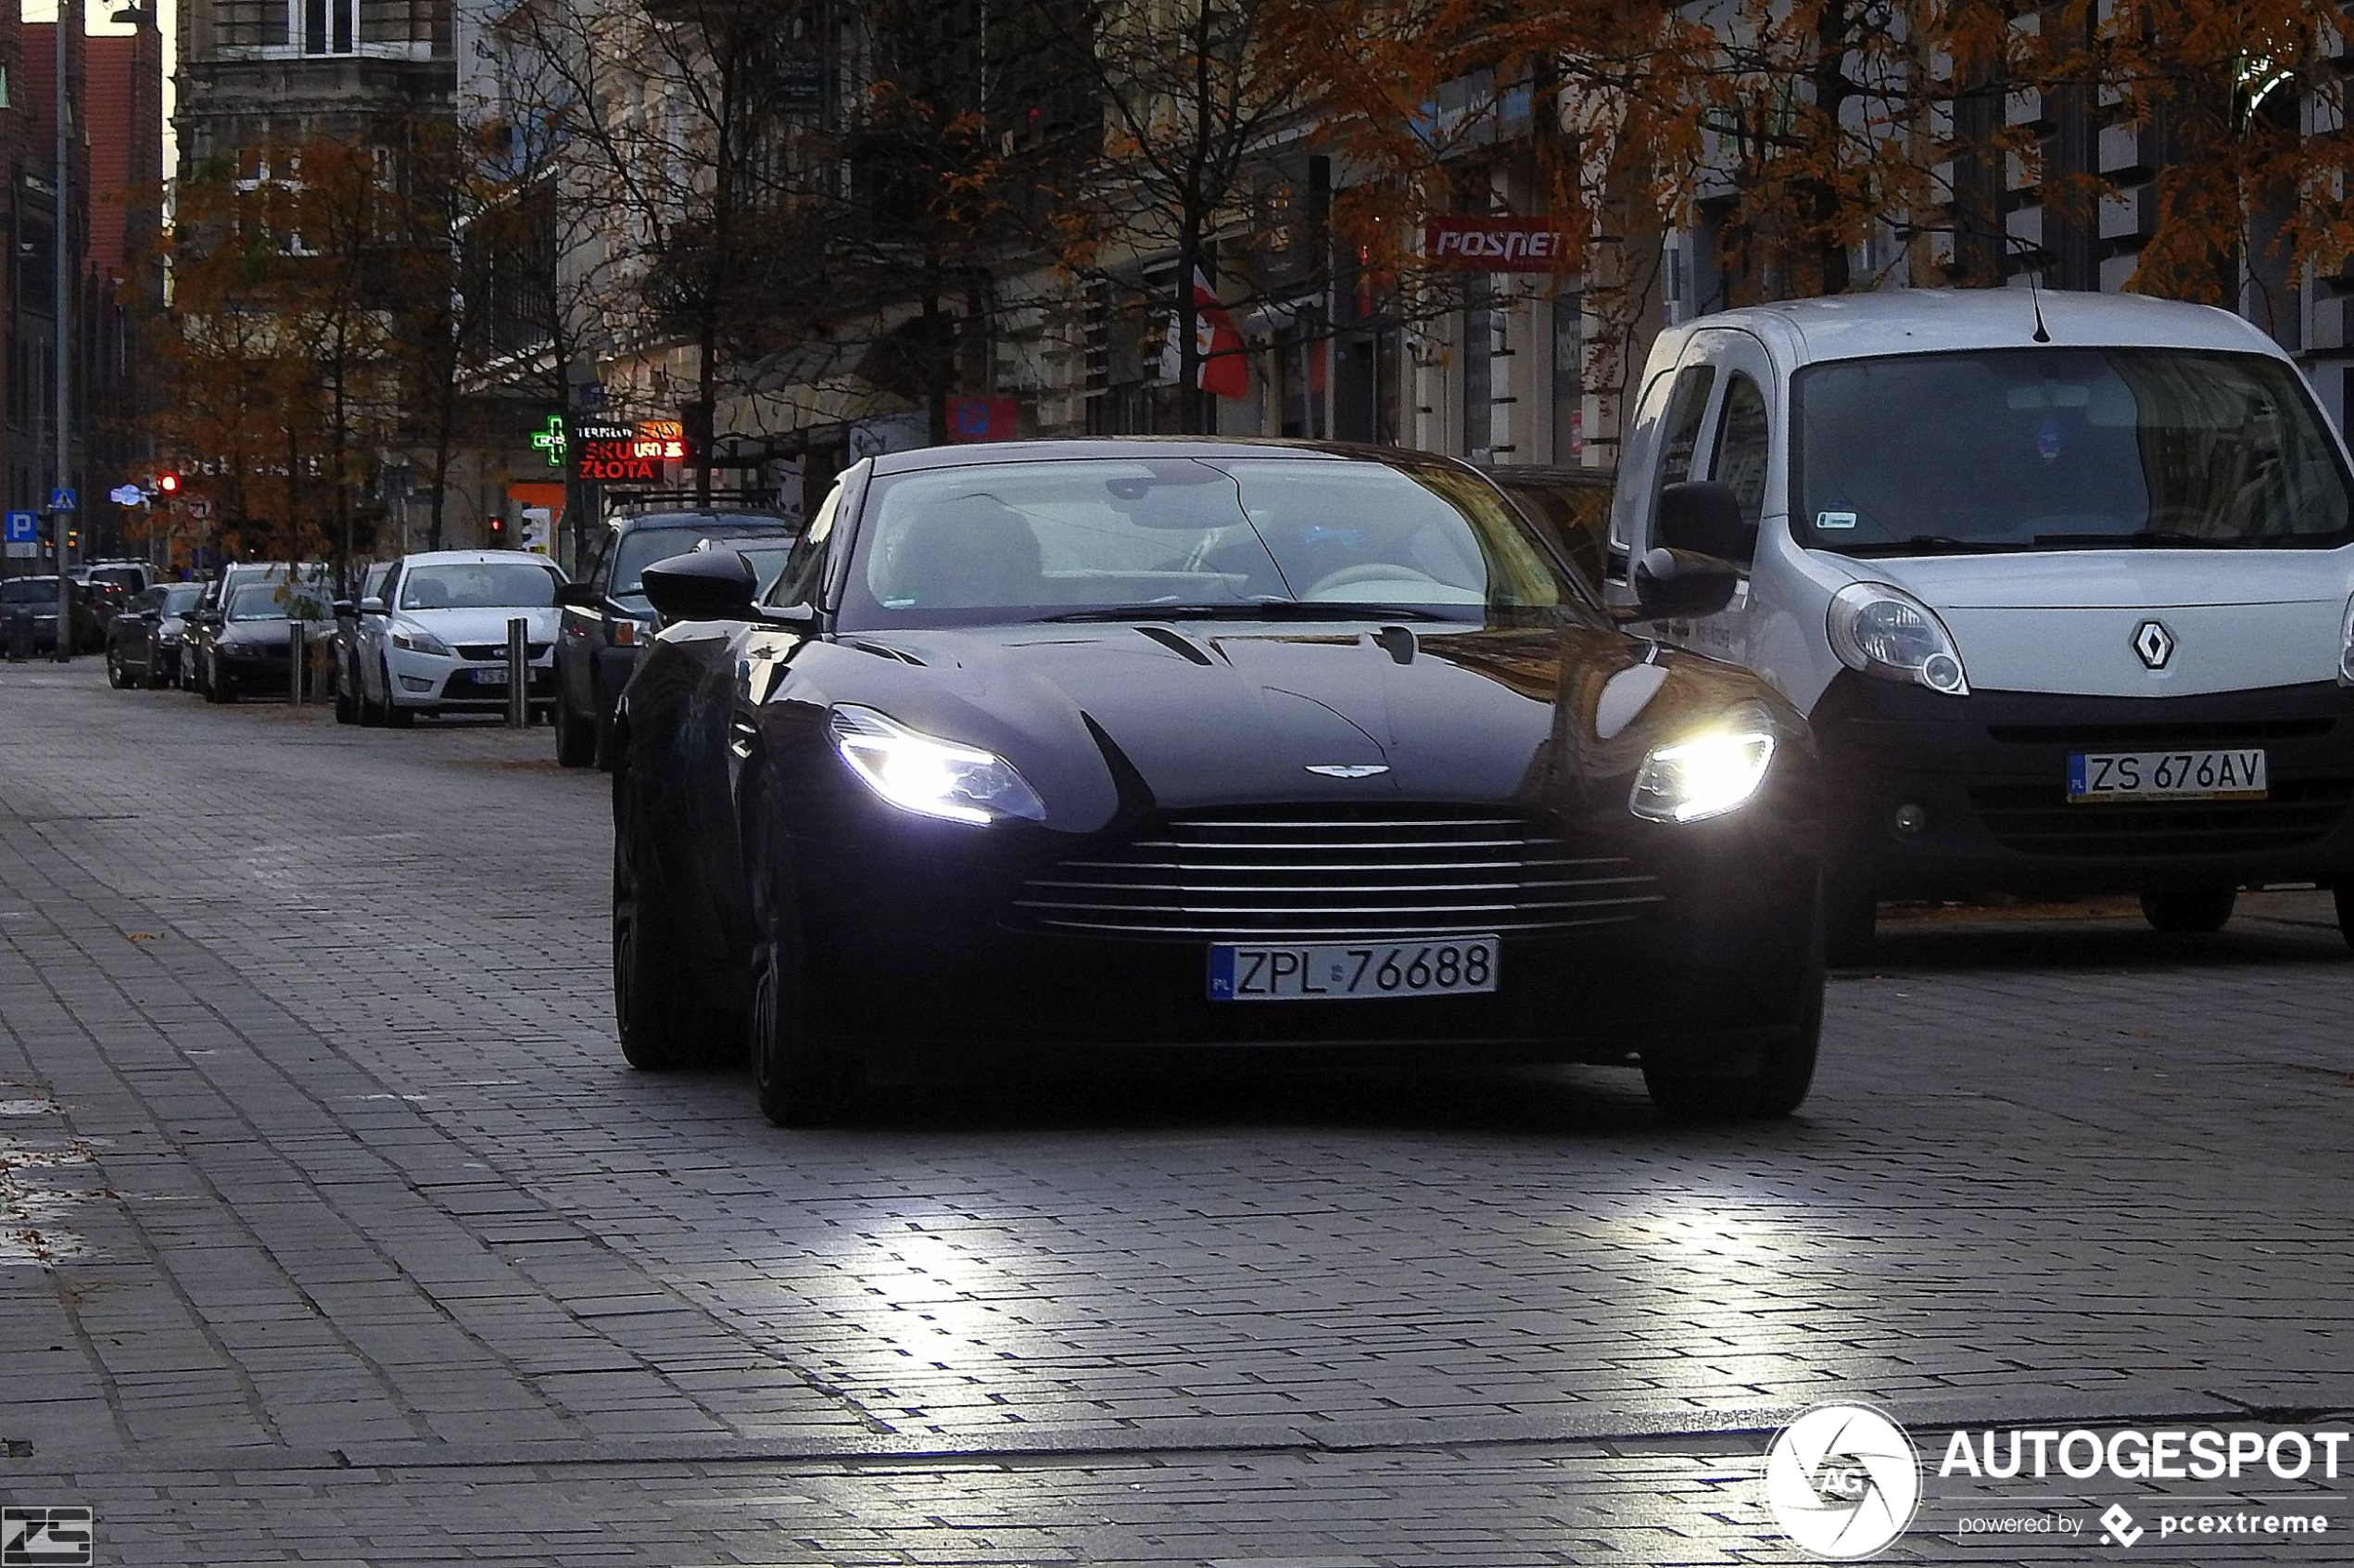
(2167, 776)
(1345, 971)
(490, 677)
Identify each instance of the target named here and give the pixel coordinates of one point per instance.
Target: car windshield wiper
(1250, 610)
(2142, 538)
(1927, 544)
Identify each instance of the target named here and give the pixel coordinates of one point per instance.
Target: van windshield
(2062, 449)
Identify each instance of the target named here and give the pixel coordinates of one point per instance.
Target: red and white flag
(1222, 368)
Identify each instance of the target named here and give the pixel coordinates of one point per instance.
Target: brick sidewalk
(331, 1225)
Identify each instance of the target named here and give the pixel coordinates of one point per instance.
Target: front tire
(1772, 1089)
(217, 687)
(346, 701)
(800, 1077)
(116, 677)
(2194, 911)
(1851, 917)
(392, 715)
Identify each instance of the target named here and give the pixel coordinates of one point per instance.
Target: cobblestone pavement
(332, 1227)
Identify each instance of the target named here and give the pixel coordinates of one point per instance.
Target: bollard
(296, 651)
(518, 673)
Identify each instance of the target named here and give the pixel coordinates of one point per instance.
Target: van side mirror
(707, 585)
(1701, 517)
(371, 607)
(1674, 584)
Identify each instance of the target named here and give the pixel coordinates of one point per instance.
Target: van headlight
(1887, 633)
(931, 777)
(1707, 774)
(2345, 647)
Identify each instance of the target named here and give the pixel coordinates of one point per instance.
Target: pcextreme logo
(1842, 1481)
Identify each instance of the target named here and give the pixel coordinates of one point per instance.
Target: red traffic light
(167, 483)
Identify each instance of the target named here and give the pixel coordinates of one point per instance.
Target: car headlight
(2346, 647)
(1707, 775)
(422, 642)
(1887, 633)
(932, 778)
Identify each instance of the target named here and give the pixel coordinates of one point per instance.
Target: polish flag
(1222, 369)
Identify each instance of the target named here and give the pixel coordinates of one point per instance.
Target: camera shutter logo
(44, 1537)
(1842, 1481)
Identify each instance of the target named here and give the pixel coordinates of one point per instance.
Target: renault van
(2062, 580)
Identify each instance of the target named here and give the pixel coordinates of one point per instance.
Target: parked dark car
(205, 620)
(142, 644)
(38, 596)
(606, 619)
(249, 649)
(1571, 506)
(1080, 746)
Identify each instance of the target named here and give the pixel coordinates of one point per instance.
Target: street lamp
(61, 320)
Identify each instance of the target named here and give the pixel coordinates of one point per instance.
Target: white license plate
(490, 677)
(2168, 776)
(1342, 971)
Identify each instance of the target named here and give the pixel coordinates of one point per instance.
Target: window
(1481, 321)
(1569, 375)
(1742, 444)
(5, 102)
(329, 27)
(800, 582)
(1692, 388)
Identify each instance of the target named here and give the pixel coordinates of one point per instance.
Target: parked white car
(2065, 583)
(433, 640)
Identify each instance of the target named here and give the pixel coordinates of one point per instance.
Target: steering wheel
(1370, 572)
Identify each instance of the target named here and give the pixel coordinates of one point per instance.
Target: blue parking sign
(23, 528)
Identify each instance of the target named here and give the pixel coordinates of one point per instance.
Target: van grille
(1326, 873)
(2038, 819)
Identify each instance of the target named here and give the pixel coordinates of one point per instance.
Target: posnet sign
(1492, 245)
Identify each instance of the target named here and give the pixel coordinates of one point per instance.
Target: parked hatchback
(142, 644)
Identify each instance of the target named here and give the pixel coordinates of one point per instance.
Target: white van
(2063, 581)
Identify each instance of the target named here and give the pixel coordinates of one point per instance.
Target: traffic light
(167, 483)
(498, 528)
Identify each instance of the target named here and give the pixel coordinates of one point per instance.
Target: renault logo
(1348, 770)
(2154, 643)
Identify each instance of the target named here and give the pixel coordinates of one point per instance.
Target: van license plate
(2167, 776)
(1343, 971)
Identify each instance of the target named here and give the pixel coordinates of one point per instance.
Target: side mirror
(372, 607)
(1700, 517)
(344, 608)
(711, 585)
(579, 596)
(1674, 584)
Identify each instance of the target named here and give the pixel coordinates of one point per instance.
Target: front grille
(1333, 873)
(496, 651)
(2170, 735)
(2038, 819)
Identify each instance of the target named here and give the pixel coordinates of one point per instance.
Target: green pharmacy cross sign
(553, 440)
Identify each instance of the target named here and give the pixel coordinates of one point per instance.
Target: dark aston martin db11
(1100, 744)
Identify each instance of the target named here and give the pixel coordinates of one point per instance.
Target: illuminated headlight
(1887, 633)
(422, 642)
(2345, 647)
(929, 777)
(1708, 774)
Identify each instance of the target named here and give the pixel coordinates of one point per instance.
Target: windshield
(2062, 449)
(121, 576)
(181, 598)
(29, 590)
(275, 601)
(488, 585)
(1296, 536)
(640, 548)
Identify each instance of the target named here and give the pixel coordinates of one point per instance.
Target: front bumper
(1989, 773)
(428, 682)
(920, 933)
